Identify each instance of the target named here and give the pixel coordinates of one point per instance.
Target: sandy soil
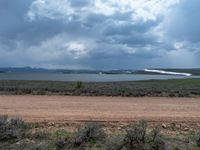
(67, 108)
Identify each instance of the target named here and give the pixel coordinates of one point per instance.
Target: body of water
(86, 77)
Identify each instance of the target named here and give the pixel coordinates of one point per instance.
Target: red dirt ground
(80, 108)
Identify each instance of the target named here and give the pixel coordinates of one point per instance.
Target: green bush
(11, 128)
(156, 141)
(136, 138)
(115, 143)
(79, 85)
(90, 132)
(198, 141)
(61, 144)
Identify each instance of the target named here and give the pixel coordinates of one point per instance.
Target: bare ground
(80, 108)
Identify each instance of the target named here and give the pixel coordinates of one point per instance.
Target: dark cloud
(93, 35)
(15, 26)
(183, 21)
(12, 15)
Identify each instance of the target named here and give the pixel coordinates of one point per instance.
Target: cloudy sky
(100, 34)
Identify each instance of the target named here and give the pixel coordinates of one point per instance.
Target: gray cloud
(99, 34)
(183, 23)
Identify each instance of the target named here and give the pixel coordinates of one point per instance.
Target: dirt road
(67, 108)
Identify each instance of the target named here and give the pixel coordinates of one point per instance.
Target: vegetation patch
(91, 132)
(138, 136)
(160, 88)
(11, 128)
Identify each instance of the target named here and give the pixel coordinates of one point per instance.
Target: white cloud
(179, 45)
(52, 9)
(61, 47)
(141, 9)
(61, 9)
(103, 8)
(76, 49)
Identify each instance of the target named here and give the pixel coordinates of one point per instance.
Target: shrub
(41, 135)
(11, 128)
(155, 140)
(26, 90)
(90, 132)
(198, 141)
(136, 138)
(115, 143)
(79, 85)
(61, 144)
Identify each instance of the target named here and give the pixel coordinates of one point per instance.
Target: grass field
(161, 88)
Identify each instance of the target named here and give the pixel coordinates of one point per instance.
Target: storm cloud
(99, 34)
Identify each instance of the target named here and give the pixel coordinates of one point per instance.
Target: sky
(100, 34)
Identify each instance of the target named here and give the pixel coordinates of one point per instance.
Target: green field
(161, 88)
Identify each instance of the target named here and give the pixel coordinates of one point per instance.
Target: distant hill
(23, 69)
(65, 71)
(193, 71)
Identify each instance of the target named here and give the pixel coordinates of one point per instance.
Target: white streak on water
(167, 72)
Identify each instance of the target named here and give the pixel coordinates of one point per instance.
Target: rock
(119, 128)
(164, 126)
(186, 129)
(57, 125)
(178, 126)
